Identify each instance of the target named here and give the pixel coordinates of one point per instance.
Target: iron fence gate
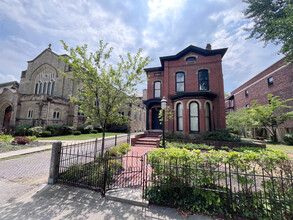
(82, 164)
(128, 172)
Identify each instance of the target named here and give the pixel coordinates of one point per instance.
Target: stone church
(42, 97)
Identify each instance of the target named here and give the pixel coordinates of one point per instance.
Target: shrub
(94, 132)
(119, 150)
(289, 138)
(35, 131)
(189, 146)
(88, 129)
(177, 135)
(54, 129)
(46, 134)
(98, 128)
(5, 138)
(76, 133)
(85, 129)
(114, 152)
(22, 130)
(65, 130)
(177, 174)
(21, 140)
(124, 148)
(32, 138)
(221, 135)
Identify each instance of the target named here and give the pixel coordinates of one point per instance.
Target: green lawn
(79, 137)
(280, 147)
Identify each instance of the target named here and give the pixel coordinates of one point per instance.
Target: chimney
(209, 46)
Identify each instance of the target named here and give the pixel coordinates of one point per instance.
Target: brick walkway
(133, 168)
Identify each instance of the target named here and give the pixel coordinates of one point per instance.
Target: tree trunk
(103, 142)
(274, 137)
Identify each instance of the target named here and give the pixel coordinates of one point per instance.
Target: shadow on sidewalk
(64, 202)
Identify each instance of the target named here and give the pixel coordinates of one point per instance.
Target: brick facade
(259, 87)
(204, 59)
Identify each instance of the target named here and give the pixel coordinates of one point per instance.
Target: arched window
(190, 59)
(157, 89)
(52, 90)
(44, 88)
(179, 111)
(208, 117)
(49, 87)
(194, 116)
(203, 80)
(56, 115)
(45, 82)
(36, 88)
(180, 82)
(40, 89)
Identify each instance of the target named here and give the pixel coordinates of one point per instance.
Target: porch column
(147, 117)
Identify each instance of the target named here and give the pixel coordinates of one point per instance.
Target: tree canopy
(104, 89)
(269, 116)
(273, 22)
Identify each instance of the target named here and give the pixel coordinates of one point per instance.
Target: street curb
(123, 196)
(25, 152)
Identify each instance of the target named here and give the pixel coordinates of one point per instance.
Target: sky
(159, 27)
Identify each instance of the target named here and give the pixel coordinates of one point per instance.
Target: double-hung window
(180, 82)
(203, 80)
(157, 89)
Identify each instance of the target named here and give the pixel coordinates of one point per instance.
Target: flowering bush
(21, 140)
(35, 131)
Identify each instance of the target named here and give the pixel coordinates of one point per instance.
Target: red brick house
(192, 83)
(276, 79)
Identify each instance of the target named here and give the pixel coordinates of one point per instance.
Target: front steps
(149, 138)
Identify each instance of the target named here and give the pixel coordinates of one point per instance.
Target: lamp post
(163, 106)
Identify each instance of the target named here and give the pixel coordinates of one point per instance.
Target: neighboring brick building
(192, 83)
(276, 79)
(42, 97)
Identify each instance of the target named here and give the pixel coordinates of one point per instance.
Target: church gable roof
(46, 51)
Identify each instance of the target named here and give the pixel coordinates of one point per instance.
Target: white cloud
(160, 27)
(160, 9)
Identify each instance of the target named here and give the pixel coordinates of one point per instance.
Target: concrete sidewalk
(64, 202)
(25, 151)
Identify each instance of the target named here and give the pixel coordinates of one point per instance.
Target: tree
(273, 22)
(239, 121)
(169, 114)
(272, 115)
(104, 88)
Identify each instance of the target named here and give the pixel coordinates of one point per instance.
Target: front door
(7, 116)
(155, 119)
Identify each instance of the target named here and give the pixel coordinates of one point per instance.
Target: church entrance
(7, 116)
(155, 119)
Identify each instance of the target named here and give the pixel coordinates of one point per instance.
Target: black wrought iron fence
(81, 164)
(220, 188)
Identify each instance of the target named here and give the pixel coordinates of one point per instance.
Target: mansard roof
(189, 49)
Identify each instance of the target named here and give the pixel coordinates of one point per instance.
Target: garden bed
(6, 147)
(254, 183)
(219, 144)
